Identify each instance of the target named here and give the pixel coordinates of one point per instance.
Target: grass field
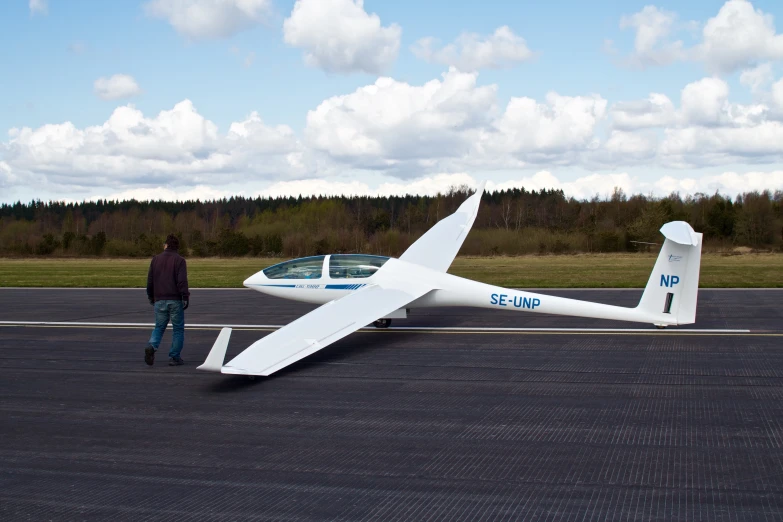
(567, 271)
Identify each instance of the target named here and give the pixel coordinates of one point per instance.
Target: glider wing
(438, 247)
(320, 328)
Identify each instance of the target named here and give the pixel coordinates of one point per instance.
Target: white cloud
(562, 124)
(401, 131)
(757, 77)
(6, 177)
(427, 185)
(390, 121)
(707, 129)
(738, 37)
(179, 146)
(116, 87)
(581, 187)
(656, 111)
(727, 183)
(424, 186)
(339, 36)
(39, 6)
(450, 124)
(653, 27)
(694, 146)
(623, 146)
(252, 135)
(210, 19)
(455, 124)
(471, 52)
(777, 94)
(705, 102)
(161, 193)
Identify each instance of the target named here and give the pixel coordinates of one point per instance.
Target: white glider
(356, 290)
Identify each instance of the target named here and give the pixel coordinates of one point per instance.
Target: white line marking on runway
(439, 328)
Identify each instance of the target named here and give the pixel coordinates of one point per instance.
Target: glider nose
(255, 279)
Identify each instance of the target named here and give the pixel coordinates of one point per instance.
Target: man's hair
(172, 242)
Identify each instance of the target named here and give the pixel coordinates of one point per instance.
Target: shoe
(176, 362)
(149, 355)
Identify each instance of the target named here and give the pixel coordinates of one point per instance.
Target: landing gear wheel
(382, 323)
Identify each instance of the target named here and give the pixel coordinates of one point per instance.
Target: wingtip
(217, 354)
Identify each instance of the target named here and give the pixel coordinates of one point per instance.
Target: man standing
(167, 290)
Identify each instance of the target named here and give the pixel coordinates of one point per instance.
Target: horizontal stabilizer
(680, 232)
(218, 352)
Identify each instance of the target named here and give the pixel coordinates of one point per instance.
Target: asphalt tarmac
(433, 424)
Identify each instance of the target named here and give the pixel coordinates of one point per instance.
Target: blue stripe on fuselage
(327, 287)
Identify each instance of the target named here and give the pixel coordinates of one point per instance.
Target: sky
(186, 99)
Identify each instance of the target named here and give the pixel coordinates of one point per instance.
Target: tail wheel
(382, 323)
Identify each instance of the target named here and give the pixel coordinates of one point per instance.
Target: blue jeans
(165, 310)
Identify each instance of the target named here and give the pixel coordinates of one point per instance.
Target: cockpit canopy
(302, 268)
(341, 266)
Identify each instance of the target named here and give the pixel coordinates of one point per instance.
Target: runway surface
(679, 424)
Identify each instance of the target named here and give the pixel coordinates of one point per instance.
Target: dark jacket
(168, 277)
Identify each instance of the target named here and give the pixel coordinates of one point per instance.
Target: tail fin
(672, 291)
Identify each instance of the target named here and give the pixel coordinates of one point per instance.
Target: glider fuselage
(311, 285)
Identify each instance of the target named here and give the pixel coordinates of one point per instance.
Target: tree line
(509, 222)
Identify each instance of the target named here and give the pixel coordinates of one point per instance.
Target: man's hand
(152, 301)
(185, 303)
